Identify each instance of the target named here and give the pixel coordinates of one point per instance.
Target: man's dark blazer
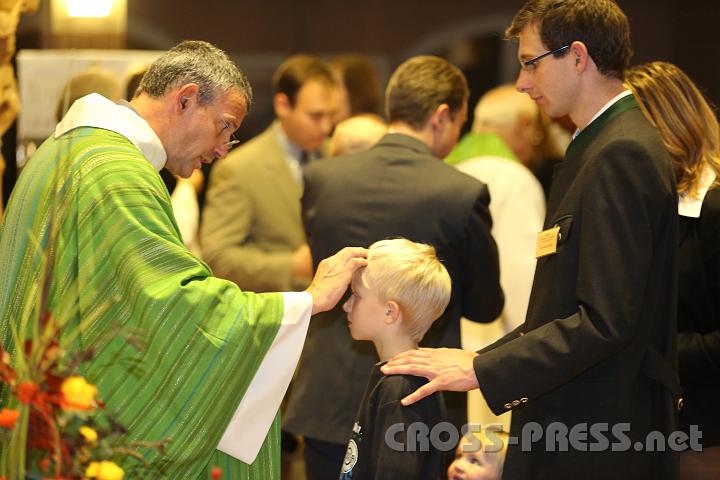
(397, 188)
(598, 344)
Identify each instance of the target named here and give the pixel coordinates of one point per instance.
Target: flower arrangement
(48, 420)
(49, 426)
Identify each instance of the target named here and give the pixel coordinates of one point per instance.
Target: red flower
(26, 392)
(216, 473)
(44, 464)
(8, 418)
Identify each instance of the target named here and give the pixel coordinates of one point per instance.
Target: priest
(89, 237)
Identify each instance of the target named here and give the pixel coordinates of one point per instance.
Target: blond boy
(394, 300)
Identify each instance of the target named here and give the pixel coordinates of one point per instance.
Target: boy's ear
(392, 312)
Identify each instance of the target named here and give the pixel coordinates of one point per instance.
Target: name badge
(547, 242)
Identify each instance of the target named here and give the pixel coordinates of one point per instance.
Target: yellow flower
(77, 394)
(88, 433)
(104, 471)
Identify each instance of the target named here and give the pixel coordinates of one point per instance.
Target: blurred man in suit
(399, 187)
(251, 231)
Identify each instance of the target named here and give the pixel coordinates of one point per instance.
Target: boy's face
(473, 465)
(365, 311)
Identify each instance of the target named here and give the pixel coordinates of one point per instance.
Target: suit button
(680, 403)
(515, 403)
(523, 400)
(508, 406)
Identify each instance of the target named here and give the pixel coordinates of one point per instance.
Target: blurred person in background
(251, 231)
(94, 79)
(503, 141)
(360, 90)
(356, 134)
(399, 187)
(507, 125)
(689, 129)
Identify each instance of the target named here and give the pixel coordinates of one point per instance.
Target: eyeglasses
(233, 141)
(529, 65)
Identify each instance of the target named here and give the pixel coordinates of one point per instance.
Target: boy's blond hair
(410, 274)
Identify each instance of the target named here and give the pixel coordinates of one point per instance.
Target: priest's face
(203, 133)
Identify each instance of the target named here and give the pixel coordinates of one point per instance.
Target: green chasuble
(475, 144)
(120, 268)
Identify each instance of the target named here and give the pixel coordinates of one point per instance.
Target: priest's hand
(333, 276)
(447, 369)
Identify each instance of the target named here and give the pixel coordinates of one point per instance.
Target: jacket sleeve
(482, 297)
(623, 202)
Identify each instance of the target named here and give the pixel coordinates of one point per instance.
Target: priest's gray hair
(193, 61)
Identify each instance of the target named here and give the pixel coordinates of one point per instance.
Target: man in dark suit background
(597, 349)
(400, 187)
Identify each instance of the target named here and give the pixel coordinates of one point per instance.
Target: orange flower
(216, 473)
(26, 392)
(77, 394)
(8, 417)
(44, 464)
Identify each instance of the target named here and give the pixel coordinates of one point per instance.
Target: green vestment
(119, 266)
(482, 144)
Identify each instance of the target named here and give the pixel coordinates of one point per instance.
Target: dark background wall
(260, 33)
(681, 31)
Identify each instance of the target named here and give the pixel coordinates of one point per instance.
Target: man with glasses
(251, 231)
(592, 370)
(176, 353)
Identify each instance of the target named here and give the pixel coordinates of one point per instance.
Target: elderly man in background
(505, 118)
(499, 146)
(356, 134)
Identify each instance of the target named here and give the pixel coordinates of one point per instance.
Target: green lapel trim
(616, 109)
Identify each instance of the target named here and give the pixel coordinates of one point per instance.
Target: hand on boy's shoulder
(448, 369)
(393, 388)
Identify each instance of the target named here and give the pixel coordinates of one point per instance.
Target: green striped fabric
(119, 267)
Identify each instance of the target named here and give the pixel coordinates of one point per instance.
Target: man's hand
(447, 369)
(333, 277)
